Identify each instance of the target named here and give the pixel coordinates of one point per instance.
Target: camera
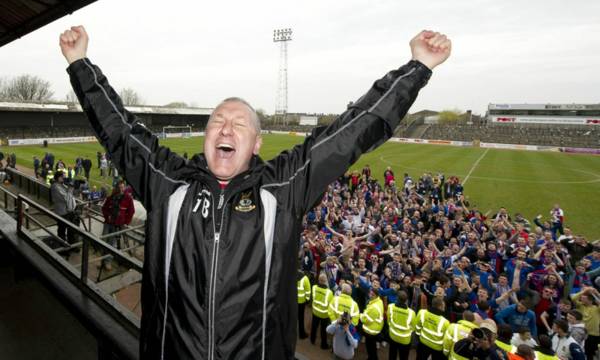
(478, 333)
(345, 319)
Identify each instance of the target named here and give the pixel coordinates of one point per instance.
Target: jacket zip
(213, 276)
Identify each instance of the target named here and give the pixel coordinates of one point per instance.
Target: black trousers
(371, 344)
(424, 352)
(399, 350)
(63, 230)
(591, 346)
(322, 323)
(301, 331)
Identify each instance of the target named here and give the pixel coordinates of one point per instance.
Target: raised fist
(73, 43)
(430, 48)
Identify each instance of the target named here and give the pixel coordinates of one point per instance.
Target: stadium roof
(20, 17)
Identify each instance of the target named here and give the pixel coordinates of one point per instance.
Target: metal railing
(29, 184)
(77, 273)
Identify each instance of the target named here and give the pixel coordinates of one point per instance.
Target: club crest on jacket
(246, 204)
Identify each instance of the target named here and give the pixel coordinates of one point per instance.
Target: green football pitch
(522, 181)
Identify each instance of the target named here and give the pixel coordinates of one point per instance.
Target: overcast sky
(203, 51)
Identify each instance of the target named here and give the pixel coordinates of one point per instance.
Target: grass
(523, 181)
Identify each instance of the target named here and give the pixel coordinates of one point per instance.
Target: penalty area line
(475, 165)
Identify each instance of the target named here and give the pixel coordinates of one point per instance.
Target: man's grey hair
(346, 289)
(253, 115)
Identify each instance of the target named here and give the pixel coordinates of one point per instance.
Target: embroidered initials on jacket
(202, 203)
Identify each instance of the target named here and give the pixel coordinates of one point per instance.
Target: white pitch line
(474, 166)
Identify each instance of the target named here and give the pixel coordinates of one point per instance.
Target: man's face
(564, 307)
(121, 188)
(547, 293)
(483, 343)
(521, 307)
(231, 140)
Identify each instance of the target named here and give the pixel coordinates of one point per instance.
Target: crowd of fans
(411, 262)
(77, 173)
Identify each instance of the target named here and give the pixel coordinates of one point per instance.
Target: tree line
(32, 88)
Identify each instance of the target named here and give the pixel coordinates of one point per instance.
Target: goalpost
(184, 131)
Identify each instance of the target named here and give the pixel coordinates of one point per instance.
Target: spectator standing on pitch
(103, 166)
(557, 215)
(78, 166)
(13, 161)
(86, 163)
(99, 157)
(518, 316)
(564, 345)
(586, 301)
(50, 159)
(36, 166)
(345, 337)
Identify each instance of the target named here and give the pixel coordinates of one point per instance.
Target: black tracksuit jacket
(220, 266)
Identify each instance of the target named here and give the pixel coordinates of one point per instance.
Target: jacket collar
(197, 169)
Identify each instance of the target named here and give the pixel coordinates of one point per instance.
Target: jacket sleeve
(448, 339)
(106, 209)
(367, 123)
(133, 148)
(502, 315)
(130, 210)
(332, 315)
(418, 324)
(369, 316)
(532, 323)
(307, 287)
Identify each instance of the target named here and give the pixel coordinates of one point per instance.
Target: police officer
(372, 321)
(321, 298)
(401, 324)
(459, 331)
(431, 326)
(49, 177)
(303, 298)
(344, 302)
(504, 338)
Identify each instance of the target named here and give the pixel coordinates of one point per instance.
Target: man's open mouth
(225, 151)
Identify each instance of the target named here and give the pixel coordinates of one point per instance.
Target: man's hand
(73, 43)
(430, 48)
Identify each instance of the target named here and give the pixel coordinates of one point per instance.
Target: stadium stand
(549, 135)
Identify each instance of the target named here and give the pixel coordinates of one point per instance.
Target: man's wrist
(430, 66)
(72, 59)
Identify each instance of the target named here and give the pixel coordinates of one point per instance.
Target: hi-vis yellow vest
(431, 329)
(401, 323)
(343, 303)
(506, 347)
(372, 318)
(540, 356)
(322, 297)
(456, 332)
(303, 290)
